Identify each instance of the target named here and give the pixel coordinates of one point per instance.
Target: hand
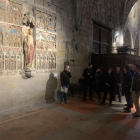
(90, 76)
(126, 85)
(88, 73)
(68, 70)
(107, 84)
(96, 70)
(63, 87)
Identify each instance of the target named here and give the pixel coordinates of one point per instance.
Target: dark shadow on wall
(51, 87)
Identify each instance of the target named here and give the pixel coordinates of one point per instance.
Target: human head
(135, 68)
(30, 31)
(126, 68)
(117, 69)
(110, 70)
(100, 68)
(130, 66)
(66, 68)
(90, 66)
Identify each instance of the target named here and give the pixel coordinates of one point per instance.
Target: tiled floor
(77, 120)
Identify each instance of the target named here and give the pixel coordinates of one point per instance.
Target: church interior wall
(63, 34)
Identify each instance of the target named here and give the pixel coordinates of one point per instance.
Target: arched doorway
(137, 45)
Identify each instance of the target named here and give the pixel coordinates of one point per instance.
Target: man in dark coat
(88, 78)
(65, 81)
(127, 88)
(136, 89)
(109, 85)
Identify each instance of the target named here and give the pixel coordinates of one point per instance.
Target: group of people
(126, 83)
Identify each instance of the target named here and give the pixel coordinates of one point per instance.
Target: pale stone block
(64, 13)
(52, 8)
(31, 1)
(66, 28)
(56, 3)
(61, 54)
(58, 10)
(63, 38)
(46, 4)
(61, 33)
(39, 2)
(60, 20)
(50, 1)
(59, 26)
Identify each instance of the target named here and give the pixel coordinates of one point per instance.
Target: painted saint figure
(29, 50)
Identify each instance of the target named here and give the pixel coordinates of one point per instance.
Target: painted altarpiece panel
(14, 13)
(40, 20)
(3, 10)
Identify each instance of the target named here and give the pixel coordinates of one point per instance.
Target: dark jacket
(87, 78)
(136, 82)
(119, 77)
(98, 77)
(65, 78)
(110, 79)
(132, 72)
(127, 82)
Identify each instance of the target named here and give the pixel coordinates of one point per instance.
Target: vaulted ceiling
(125, 7)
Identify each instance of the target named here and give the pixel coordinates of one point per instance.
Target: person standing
(127, 88)
(88, 77)
(109, 85)
(65, 81)
(98, 81)
(136, 89)
(119, 80)
(131, 69)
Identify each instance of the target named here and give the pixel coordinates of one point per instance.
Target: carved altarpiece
(14, 26)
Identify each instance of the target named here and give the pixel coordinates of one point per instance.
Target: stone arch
(137, 45)
(127, 38)
(127, 8)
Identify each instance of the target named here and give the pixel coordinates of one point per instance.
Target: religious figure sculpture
(29, 50)
(3, 38)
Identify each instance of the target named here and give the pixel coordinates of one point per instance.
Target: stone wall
(131, 29)
(57, 42)
(63, 34)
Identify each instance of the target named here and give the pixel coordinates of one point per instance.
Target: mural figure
(51, 22)
(3, 38)
(13, 63)
(29, 50)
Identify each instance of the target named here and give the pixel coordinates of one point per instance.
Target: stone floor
(77, 120)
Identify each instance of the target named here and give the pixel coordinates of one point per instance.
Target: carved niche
(10, 50)
(3, 35)
(51, 22)
(1, 62)
(3, 10)
(46, 41)
(46, 61)
(14, 36)
(40, 20)
(14, 13)
(51, 42)
(41, 41)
